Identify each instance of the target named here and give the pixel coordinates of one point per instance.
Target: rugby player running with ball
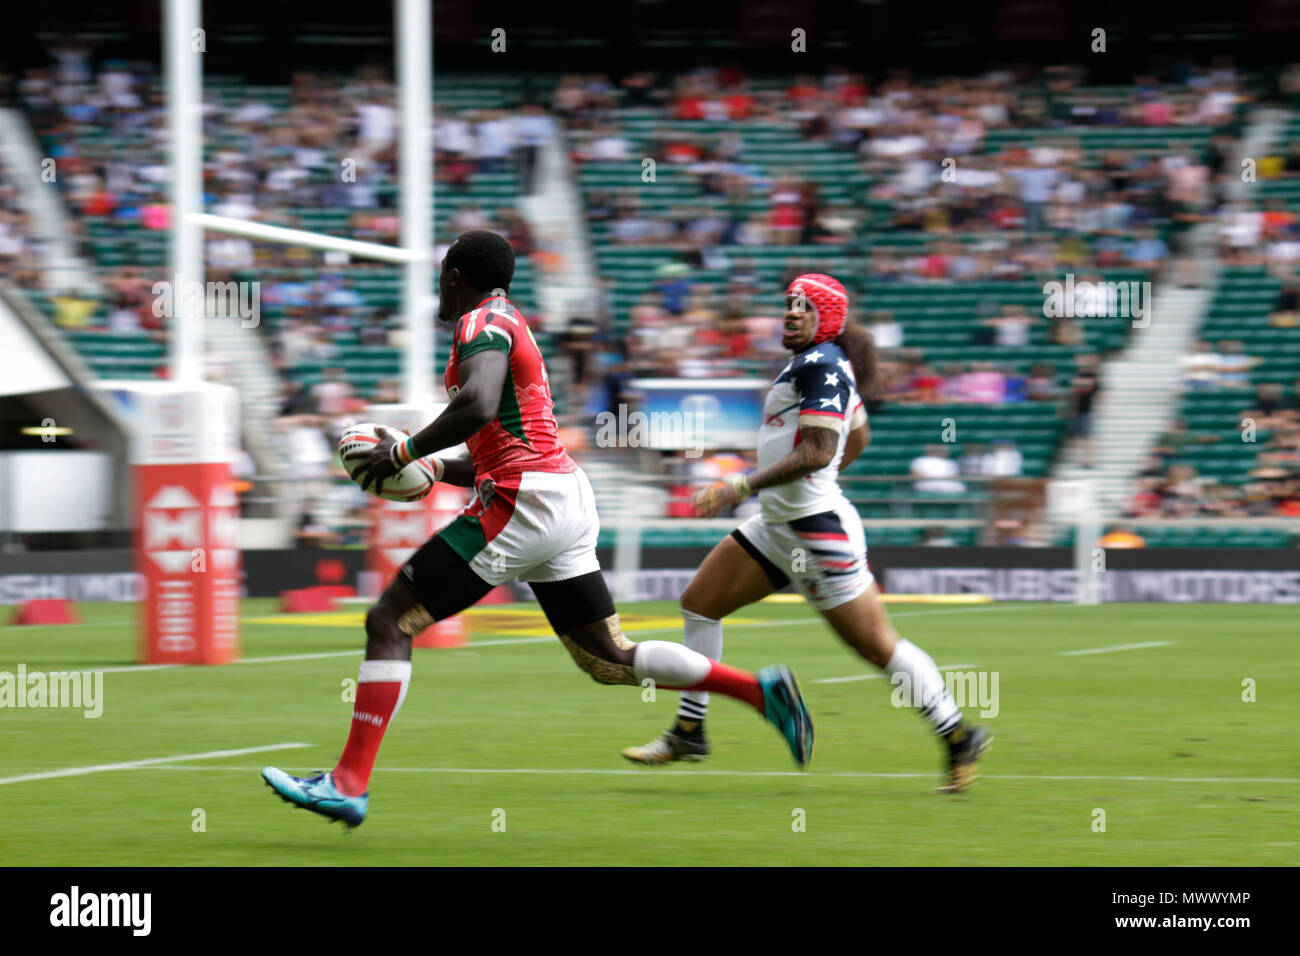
(533, 519)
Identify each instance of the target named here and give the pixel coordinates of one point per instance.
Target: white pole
(1087, 529)
(414, 26)
(182, 50)
(627, 551)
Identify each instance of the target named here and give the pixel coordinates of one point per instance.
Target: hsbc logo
(173, 527)
(184, 528)
(170, 498)
(189, 555)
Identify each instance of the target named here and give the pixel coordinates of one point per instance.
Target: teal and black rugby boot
(318, 794)
(784, 708)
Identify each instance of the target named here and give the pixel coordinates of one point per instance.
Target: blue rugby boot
(784, 707)
(318, 794)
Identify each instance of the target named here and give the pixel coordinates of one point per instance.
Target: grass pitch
(507, 732)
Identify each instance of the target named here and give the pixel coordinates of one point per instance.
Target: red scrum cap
(829, 301)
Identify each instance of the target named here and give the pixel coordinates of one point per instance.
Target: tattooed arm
(815, 451)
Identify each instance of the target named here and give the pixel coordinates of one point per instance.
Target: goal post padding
(184, 441)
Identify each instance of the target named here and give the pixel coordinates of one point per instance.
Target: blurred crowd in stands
(936, 472)
(940, 163)
(1267, 420)
(332, 147)
(933, 167)
(17, 263)
(1171, 487)
(1266, 234)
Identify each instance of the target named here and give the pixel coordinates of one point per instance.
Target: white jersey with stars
(817, 388)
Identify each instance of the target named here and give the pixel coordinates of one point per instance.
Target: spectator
(1037, 183)
(983, 384)
(333, 393)
(1041, 385)
(886, 330)
(1200, 368)
(1234, 366)
(936, 473)
(1004, 461)
(1083, 394)
(1011, 328)
(937, 536)
(532, 129)
(787, 216)
(1149, 250)
(494, 143)
(974, 459)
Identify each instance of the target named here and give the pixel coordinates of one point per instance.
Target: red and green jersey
(523, 436)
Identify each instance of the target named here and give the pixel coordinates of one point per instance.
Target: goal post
(171, 512)
(183, 56)
(413, 26)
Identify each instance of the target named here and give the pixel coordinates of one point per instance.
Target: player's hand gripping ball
(366, 452)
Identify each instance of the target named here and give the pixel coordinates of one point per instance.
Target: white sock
(703, 634)
(668, 664)
(927, 691)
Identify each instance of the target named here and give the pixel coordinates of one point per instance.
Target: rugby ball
(410, 484)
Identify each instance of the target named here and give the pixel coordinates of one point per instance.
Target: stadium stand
(754, 179)
(112, 154)
(940, 266)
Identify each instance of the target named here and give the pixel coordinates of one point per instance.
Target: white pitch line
(1038, 606)
(1113, 647)
(279, 658)
(845, 680)
(504, 641)
(657, 772)
(255, 619)
(259, 619)
(893, 616)
(298, 657)
(133, 668)
(786, 622)
(125, 668)
(152, 762)
(39, 628)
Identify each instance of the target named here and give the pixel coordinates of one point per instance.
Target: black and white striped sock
(689, 710)
(924, 687)
(702, 634)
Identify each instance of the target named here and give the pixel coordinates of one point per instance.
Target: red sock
(739, 684)
(381, 686)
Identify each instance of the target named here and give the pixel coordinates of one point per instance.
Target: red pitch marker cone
(46, 611)
(305, 600)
